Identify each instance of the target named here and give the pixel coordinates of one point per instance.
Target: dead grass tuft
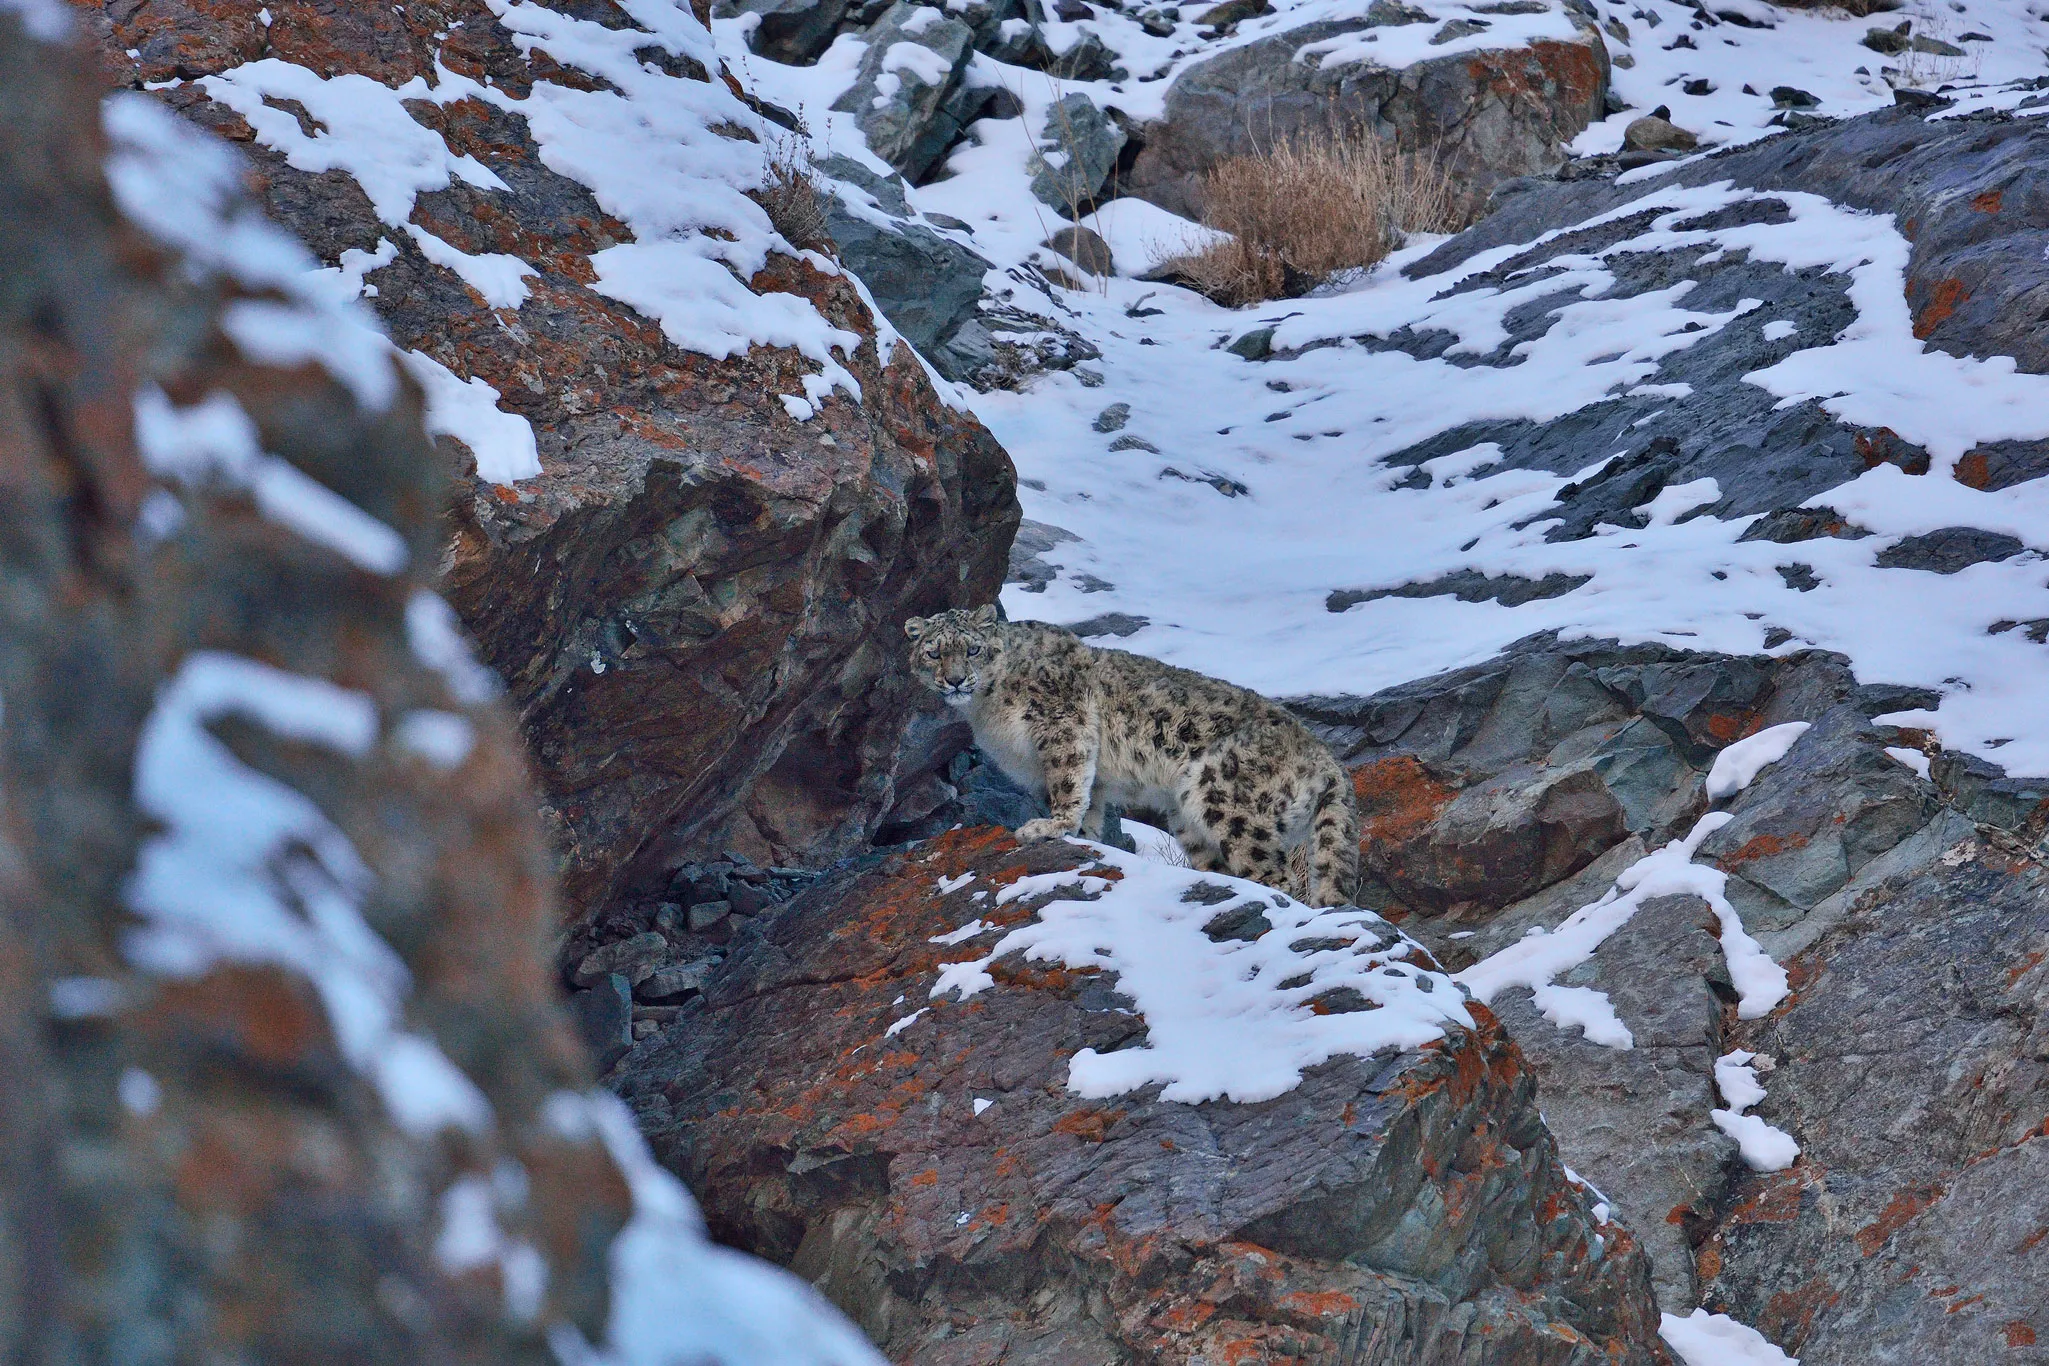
(1311, 206)
(790, 198)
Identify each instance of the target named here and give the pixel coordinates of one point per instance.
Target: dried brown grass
(790, 198)
(1311, 206)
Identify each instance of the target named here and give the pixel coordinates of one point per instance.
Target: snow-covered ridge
(670, 156)
(1235, 1017)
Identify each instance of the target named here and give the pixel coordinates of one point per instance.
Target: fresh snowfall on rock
(489, 877)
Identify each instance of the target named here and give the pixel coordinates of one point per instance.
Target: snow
(140, 1093)
(1912, 758)
(434, 634)
(1704, 1339)
(184, 188)
(1740, 763)
(46, 20)
(471, 1238)
(85, 998)
(215, 442)
(467, 409)
(981, 1105)
(246, 869)
(1764, 1148)
(1219, 1021)
(677, 1296)
(1542, 956)
(443, 738)
(362, 128)
(949, 885)
(921, 62)
(899, 1026)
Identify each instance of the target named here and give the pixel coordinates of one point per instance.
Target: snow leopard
(1243, 785)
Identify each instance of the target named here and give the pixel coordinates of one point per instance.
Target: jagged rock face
(1912, 918)
(694, 604)
(1489, 115)
(939, 1179)
(285, 1077)
(1965, 192)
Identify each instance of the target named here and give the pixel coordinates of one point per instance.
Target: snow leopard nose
(956, 680)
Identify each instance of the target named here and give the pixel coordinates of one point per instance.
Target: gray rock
(1652, 134)
(1110, 624)
(675, 980)
(1467, 585)
(1790, 846)
(1083, 247)
(1112, 418)
(634, 958)
(928, 285)
(1634, 1121)
(706, 914)
(1077, 150)
(1034, 540)
(914, 110)
(1950, 550)
(604, 1020)
(793, 31)
(1913, 1067)
(1972, 277)
(1490, 115)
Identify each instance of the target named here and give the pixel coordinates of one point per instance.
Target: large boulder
(700, 508)
(1076, 152)
(285, 1078)
(1903, 1062)
(910, 98)
(925, 281)
(1489, 113)
(1027, 1148)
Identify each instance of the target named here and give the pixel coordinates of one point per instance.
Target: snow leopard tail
(1333, 840)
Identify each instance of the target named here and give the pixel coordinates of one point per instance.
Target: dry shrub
(791, 199)
(1310, 206)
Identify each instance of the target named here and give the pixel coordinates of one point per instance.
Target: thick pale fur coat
(1242, 784)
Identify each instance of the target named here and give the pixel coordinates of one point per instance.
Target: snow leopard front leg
(1068, 745)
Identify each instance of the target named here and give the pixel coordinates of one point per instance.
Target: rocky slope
(286, 1076)
(929, 1124)
(703, 483)
(1904, 897)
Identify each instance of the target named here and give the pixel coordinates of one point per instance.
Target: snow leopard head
(951, 653)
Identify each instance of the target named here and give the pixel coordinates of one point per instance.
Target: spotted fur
(1242, 784)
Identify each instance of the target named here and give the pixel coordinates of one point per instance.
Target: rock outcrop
(1964, 192)
(1911, 913)
(941, 1167)
(699, 508)
(285, 1076)
(1488, 114)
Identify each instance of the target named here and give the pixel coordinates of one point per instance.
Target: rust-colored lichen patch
(1943, 302)
(1904, 1207)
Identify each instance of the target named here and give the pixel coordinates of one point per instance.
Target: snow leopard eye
(974, 650)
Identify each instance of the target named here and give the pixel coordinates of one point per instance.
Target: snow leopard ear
(985, 616)
(914, 628)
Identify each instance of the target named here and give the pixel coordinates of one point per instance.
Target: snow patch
(1704, 1339)
(1764, 1148)
(1540, 957)
(1740, 763)
(1220, 1022)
